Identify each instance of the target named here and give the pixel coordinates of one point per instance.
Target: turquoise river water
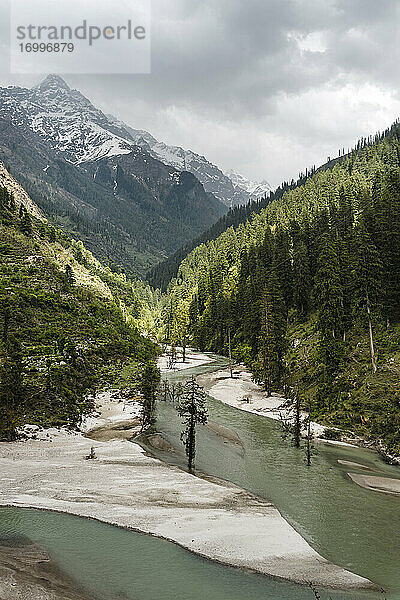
(353, 527)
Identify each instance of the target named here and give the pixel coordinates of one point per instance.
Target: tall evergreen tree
(192, 408)
(386, 236)
(149, 382)
(368, 284)
(283, 265)
(272, 342)
(328, 289)
(26, 223)
(12, 391)
(301, 279)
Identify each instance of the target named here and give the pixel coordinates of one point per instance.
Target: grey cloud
(231, 62)
(231, 57)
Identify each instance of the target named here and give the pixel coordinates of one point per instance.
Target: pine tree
(385, 222)
(69, 278)
(272, 342)
(182, 326)
(26, 223)
(149, 382)
(12, 391)
(328, 290)
(309, 438)
(301, 279)
(367, 274)
(328, 293)
(283, 266)
(292, 422)
(297, 421)
(192, 408)
(247, 301)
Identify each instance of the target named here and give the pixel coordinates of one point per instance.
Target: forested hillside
(64, 319)
(308, 291)
(161, 274)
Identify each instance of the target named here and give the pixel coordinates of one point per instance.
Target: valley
(258, 469)
(281, 313)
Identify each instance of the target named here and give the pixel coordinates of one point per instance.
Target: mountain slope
(64, 318)
(65, 119)
(230, 188)
(254, 189)
(52, 137)
(309, 289)
(162, 273)
(82, 133)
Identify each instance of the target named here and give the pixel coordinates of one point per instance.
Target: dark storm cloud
(232, 59)
(231, 55)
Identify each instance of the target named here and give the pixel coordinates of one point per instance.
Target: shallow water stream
(356, 528)
(353, 527)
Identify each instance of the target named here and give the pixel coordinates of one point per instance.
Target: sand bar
(217, 520)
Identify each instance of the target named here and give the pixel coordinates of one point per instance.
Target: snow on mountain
(255, 189)
(83, 133)
(66, 119)
(232, 191)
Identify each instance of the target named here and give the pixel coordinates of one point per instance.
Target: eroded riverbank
(243, 394)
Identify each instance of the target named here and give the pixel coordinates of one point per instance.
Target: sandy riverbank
(216, 520)
(386, 485)
(116, 418)
(236, 391)
(353, 465)
(27, 572)
(193, 359)
(242, 393)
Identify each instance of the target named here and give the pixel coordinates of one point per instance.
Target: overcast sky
(266, 87)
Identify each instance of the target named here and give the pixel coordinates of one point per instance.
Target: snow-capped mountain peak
(66, 119)
(255, 189)
(83, 133)
(52, 82)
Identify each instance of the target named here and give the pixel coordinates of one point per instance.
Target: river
(353, 527)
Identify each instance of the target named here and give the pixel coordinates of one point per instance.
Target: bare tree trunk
(297, 425)
(371, 337)
(230, 352)
(184, 350)
(309, 440)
